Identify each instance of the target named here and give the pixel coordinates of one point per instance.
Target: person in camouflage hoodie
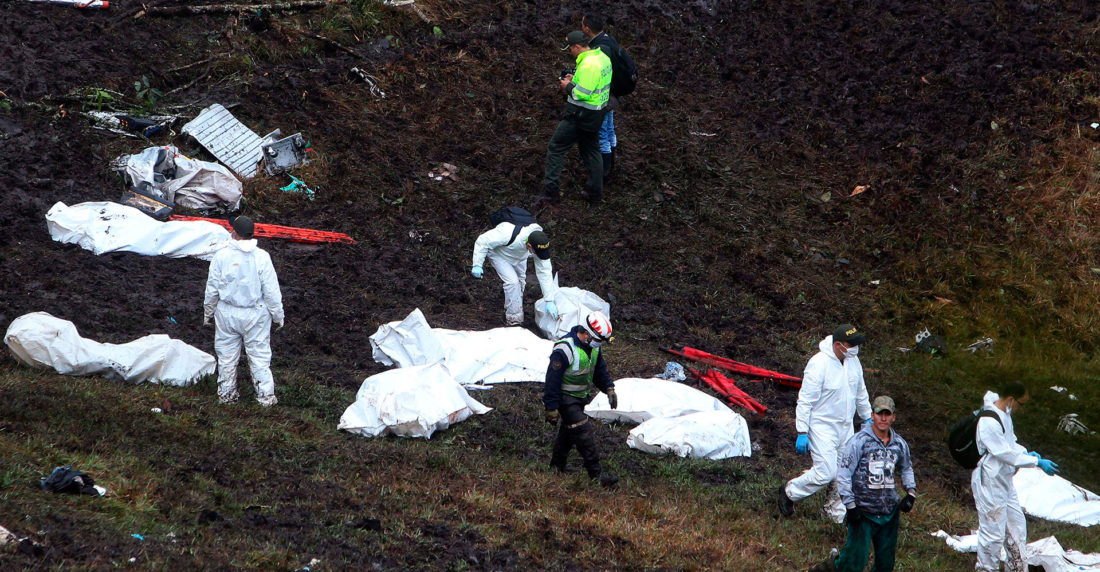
(871, 462)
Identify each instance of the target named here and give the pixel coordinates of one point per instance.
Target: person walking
(593, 24)
(832, 391)
(1001, 521)
(243, 300)
(508, 246)
(576, 365)
(870, 466)
(589, 90)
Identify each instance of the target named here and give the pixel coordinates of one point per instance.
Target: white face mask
(851, 352)
(593, 343)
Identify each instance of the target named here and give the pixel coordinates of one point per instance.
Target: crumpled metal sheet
(227, 139)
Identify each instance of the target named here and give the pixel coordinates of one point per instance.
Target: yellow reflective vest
(591, 81)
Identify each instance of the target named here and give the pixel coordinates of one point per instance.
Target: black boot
(562, 444)
(608, 166)
(549, 196)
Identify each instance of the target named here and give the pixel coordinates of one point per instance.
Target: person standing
(873, 460)
(508, 248)
(243, 299)
(589, 90)
(1001, 521)
(576, 366)
(593, 24)
(832, 392)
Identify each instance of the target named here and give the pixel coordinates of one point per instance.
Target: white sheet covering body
(644, 399)
(1054, 498)
(412, 401)
(573, 305)
(499, 355)
(1046, 553)
(39, 339)
(704, 435)
(103, 227)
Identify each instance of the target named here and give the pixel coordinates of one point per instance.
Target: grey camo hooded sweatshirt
(868, 468)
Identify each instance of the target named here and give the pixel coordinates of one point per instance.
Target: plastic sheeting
(103, 227)
(1046, 553)
(41, 340)
(707, 435)
(412, 401)
(499, 355)
(644, 399)
(573, 305)
(1055, 498)
(187, 182)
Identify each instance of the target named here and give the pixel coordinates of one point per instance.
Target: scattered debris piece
(673, 372)
(281, 155)
(1058, 389)
(371, 81)
(157, 410)
(129, 125)
(215, 8)
(1070, 424)
(859, 190)
(227, 139)
(875, 282)
(99, 4)
(7, 537)
(735, 366)
(985, 344)
(69, 480)
(138, 536)
(443, 171)
(297, 186)
(161, 178)
(293, 234)
(701, 134)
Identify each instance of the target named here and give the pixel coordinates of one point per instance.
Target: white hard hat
(598, 326)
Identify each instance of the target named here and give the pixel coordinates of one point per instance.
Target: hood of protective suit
(826, 347)
(244, 245)
(989, 398)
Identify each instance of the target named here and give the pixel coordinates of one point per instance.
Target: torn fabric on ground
(103, 227)
(1046, 553)
(41, 340)
(412, 401)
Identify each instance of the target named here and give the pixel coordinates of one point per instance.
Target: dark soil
(715, 232)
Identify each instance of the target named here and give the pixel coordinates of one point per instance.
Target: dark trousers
(575, 429)
(588, 143)
(853, 558)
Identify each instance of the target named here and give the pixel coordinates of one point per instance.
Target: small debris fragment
(1059, 389)
(701, 134)
(859, 190)
(1070, 424)
(673, 372)
(985, 343)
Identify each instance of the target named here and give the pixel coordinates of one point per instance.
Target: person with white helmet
(832, 392)
(576, 366)
(508, 245)
(1001, 521)
(243, 299)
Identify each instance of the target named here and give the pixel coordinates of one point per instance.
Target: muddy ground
(727, 226)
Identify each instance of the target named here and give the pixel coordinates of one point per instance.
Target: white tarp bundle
(186, 182)
(41, 340)
(409, 402)
(499, 355)
(644, 399)
(1046, 553)
(573, 305)
(103, 227)
(1055, 498)
(707, 435)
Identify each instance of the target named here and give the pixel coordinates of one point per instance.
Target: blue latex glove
(802, 444)
(552, 309)
(1036, 455)
(477, 271)
(1049, 467)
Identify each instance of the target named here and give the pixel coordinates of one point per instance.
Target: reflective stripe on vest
(591, 81)
(577, 379)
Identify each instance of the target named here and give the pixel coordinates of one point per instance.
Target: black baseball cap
(243, 226)
(849, 334)
(540, 243)
(575, 37)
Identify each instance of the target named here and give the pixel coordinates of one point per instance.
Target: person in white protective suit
(1001, 521)
(832, 392)
(508, 253)
(243, 298)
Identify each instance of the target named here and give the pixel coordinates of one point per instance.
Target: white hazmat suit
(510, 262)
(1001, 521)
(832, 393)
(243, 297)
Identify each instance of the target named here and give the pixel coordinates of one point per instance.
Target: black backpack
(624, 73)
(515, 215)
(68, 480)
(963, 434)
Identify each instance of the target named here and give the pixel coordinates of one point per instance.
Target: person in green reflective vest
(589, 92)
(576, 367)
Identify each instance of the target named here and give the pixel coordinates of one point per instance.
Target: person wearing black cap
(508, 251)
(832, 392)
(589, 92)
(243, 299)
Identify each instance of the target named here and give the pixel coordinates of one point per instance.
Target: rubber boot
(562, 444)
(608, 166)
(585, 438)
